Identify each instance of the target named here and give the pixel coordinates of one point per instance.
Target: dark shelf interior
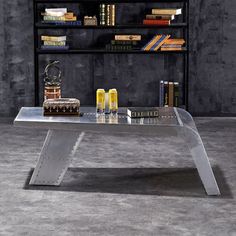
(109, 1)
(129, 26)
(103, 51)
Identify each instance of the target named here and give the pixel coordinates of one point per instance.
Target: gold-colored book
(167, 11)
(130, 37)
(112, 14)
(53, 38)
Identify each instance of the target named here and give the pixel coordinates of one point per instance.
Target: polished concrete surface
(120, 185)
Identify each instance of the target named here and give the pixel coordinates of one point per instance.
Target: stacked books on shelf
(59, 16)
(156, 42)
(161, 16)
(124, 42)
(169, 94)
(164, 43)
(107, 14)
(173, 45)
(54, 43)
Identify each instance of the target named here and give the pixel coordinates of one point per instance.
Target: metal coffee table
(66, 132)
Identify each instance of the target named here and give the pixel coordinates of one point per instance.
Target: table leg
(56, 154)
(195, 144)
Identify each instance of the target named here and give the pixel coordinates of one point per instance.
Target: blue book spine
(158, 42)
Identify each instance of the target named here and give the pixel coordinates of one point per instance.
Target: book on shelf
(167, 11)
(173, 45)
(156, 22)
(59, 16)
(63, 22)
(142, 112)
(160, 17)
(53, 38)
(55, 47)
(171, 94)
(155, 43)
(171, 49)
(124, 42)
(175, 41)
(130, 37)
(56, 11)
(120, 47)
(107, 14)
(168, 94)
(53, 43)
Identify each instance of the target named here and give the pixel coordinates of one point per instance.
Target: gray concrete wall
(212, 86)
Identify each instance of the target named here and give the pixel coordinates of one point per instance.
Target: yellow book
(167, 11)
(53, 38)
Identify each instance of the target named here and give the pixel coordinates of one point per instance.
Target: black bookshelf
(184, 26)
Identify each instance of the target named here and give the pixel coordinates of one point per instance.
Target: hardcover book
(167, 11)
(160, 17)
(130, 37)
(156, 42)
(53, 38)
(142, 112)
(156, 22)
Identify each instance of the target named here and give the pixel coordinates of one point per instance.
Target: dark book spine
(161, 94)
(166, 88)
(176, 94)
(123, 42)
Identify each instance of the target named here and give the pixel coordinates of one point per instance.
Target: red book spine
(156, 22)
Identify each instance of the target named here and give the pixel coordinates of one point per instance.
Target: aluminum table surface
(66, 132)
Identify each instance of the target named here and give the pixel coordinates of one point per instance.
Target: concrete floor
(120, 185)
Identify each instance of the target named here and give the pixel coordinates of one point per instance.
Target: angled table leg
(195, 144)
(56, 154)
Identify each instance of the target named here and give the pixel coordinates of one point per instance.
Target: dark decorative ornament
(52, 80)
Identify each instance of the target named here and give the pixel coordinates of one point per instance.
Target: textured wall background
(212, 87)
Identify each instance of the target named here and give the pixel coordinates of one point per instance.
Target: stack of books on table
(169, 94)
(54, 43)
(124, 42)
(161, 16)
(173, 45)
(59, 16)
(107, 14)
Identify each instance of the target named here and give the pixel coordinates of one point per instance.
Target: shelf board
(131, 26)
(103, 51)
(107, 1)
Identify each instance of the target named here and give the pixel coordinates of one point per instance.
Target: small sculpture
(52, 80)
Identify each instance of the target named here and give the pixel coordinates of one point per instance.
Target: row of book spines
(169, 94)
(120, 47)
(107, 14)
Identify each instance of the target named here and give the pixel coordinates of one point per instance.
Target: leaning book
(142, 112)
